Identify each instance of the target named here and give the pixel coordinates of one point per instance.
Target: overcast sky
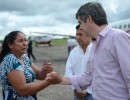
(54, 16)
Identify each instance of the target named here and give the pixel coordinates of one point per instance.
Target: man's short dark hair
(93, 9)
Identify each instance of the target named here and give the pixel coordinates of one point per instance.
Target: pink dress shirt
(108, 66)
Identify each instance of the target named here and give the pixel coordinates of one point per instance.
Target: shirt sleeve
(69, 64)
(122, 55)
(68, 70)
(82, 81)
(9, 63)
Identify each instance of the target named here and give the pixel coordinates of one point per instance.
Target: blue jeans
(88, 97)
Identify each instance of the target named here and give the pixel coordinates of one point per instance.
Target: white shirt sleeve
(68, 70)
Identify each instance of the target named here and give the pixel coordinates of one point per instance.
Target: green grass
(56, 42)
(59, 41)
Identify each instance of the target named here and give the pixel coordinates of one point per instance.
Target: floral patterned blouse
(9, 63)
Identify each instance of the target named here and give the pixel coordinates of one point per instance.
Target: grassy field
(56, 42)
(59, 41)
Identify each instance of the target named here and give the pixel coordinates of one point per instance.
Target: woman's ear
(10, 46)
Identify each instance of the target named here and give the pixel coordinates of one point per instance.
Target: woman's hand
(46, 68)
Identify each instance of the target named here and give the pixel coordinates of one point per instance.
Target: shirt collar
(103, 33)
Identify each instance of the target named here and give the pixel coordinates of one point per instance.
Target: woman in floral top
(17, 72)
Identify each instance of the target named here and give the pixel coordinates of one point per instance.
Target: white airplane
(45, 38)
(122, 24)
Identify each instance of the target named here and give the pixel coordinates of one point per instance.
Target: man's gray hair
(93, 9)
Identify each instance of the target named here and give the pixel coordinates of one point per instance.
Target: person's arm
(66, 81)
(121, 51)
(18, 81)
(80, 82)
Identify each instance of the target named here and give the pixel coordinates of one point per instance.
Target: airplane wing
(46, 38)
(55, 34)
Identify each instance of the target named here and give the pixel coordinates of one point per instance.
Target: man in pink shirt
(108, 66)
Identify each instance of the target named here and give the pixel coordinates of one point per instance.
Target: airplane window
(125, 26)
(129, 26)
(120, 27)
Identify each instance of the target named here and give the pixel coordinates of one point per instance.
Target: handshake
(49, 75)
(53, 78)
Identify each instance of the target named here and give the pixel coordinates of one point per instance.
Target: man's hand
(53, 78)
(80, 94)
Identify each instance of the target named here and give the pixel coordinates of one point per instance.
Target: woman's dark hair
(9, 39)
